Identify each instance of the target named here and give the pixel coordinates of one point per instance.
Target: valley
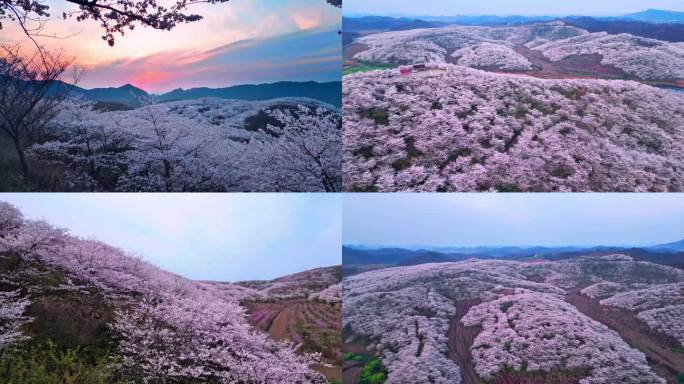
(498, 321)
(85, 311)
(662, 351)
(548, 50)
(314, 325)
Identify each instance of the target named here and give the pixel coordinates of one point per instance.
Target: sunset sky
(238, 42)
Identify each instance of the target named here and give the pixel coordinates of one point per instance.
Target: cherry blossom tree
(541, 332)
(436, 44)
(197, 145)
(12, 307)
(644, 58)
(92, 156)
(306, 154)
(493, 48)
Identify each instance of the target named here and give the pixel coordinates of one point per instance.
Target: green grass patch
(373, 373)
(351, 356)
(365, 68)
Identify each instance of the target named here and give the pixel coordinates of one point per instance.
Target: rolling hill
(553, 49)
(326, 92)
(589, 319)
(217, 145)
(131, 96)
(452, 128)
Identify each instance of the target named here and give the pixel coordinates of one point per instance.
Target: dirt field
(461, 338)
(348, 52)
(315, 325)
(578, 66)
(661, 351)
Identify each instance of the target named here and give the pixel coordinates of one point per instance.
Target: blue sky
(512, 219)
(226, 237)
(506, 7)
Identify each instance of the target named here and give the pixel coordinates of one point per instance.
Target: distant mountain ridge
(328, 92)
(672, 32)
(501, 250)
(657, 16)
(384, 23)
(676, 246)
(359, 258)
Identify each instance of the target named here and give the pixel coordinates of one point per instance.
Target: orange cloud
(150, 79)
(308, 19)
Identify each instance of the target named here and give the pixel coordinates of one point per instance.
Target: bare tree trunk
(22, 156)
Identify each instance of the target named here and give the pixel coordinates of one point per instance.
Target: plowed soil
(314, 325)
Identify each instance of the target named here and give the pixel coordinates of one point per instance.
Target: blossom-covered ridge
(453, 128)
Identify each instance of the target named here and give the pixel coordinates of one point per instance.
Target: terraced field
(313, 324)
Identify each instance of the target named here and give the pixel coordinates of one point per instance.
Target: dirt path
(461, 338)
(572, 67)
(660, 350)
(280, 324)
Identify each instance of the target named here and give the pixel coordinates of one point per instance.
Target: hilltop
(453, 128)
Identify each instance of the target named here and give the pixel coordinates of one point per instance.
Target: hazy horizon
(209, 87)
(506, 8)
(221, 237)
(519, 220)
(237, 42)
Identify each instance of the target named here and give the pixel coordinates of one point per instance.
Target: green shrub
(373, 373)
(680, 377)
(46, 364)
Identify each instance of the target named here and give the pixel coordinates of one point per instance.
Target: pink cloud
(310, 55)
